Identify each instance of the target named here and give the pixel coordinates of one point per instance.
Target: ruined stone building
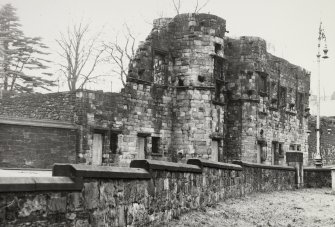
(191, 92)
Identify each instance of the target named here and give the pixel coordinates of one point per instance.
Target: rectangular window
(300, 102)
(281, 150)
(282, 96)
(217, 48)
(298, 147)
(262, 85)
(114, 142)
(218, 92)
(218, 68)
(159, 67)
(155, 144)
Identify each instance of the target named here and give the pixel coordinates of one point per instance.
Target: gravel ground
(304, 207)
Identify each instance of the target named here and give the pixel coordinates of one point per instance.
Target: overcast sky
(291, 26)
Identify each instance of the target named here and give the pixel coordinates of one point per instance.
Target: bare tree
(81, 56)
(197, 9)
(121, 54)
(176, 6)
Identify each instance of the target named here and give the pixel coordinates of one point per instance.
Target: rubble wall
(117, 196)
(317, 177)
(54, 106)
(327, 140)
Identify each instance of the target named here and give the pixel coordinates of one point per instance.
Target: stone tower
(183, 62)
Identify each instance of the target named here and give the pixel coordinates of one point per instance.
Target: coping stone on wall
(28, 184)
(149, 165)
(36, 123)
(314, 169)
(263, 166)
(213, 164)
(91, 171)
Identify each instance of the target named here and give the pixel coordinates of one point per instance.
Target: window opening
(114, 142)
(155, 144)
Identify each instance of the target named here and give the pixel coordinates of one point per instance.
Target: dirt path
(305, 207)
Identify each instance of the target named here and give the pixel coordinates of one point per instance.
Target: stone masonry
(149, 193)
(327, 140)
(191, 92)
(267, 111)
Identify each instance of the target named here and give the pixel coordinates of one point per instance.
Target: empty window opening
(218, 68)
(201, 78)
(218, 48)
(114, 142)
(218, 92)
(141, 72)
(282, 96)
(262, 86)
(300, 102)
(155, 144)
(281, 150)
(180, 82)
(159, 67)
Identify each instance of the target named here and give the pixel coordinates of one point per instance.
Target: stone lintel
(150, 165)
(90, 171)
(263, 166)
(30, 184)
(213, 164)
(37, 123)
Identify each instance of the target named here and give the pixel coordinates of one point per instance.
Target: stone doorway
(97, 149)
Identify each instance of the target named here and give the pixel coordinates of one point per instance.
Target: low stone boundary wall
(317, 177)
(264, 178)
(149, 192)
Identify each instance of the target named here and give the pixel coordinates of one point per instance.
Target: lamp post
(321, 39)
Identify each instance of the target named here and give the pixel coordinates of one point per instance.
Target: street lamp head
(325, 52)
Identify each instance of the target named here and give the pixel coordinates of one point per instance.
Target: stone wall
(150, 192)
(54, 106)
(327, 140)
(265, 178)
(88, 112)
(317, 177)
(267, 104)
(36, 146)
